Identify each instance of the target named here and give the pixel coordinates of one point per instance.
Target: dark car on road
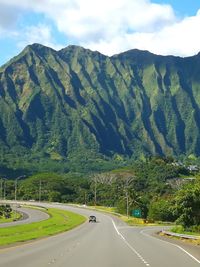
(92, 218)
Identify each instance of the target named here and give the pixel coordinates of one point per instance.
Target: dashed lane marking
(131, 248)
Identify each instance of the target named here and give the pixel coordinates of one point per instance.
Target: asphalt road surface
(29, 216)
(107, 243)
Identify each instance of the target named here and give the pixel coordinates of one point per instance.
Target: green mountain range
(59, 103)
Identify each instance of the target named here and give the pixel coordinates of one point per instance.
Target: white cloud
(40, 33)
(109, 26)
(181, 38)
(36, 34)
(96, 20)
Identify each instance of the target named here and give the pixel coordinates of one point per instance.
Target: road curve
(31, 215)
(107, 243)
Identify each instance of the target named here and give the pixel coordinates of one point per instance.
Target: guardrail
(194, 237)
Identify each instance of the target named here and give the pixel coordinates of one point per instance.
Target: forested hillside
(74, 103)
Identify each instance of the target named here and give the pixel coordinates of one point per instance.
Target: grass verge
(180, 230)
(59, 221)
(135, 221)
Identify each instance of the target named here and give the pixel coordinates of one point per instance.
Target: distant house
(193, 168)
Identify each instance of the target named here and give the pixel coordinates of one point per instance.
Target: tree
(187, 203)
(160, 210)
(102, 182)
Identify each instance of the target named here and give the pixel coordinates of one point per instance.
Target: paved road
(107, 243)
(29, 216)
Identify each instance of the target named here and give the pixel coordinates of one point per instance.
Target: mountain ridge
(77, 100)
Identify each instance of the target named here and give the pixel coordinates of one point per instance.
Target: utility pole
(1, 188)
(85, 197)
(128, 181)
(127, 204)
(4, 194)
(40, 190)
(16, 180)
(16, 189)
(95, 191)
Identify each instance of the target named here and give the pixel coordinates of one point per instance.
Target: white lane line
(116, 228)
(188, 253)
(131, 248)
(185, 251)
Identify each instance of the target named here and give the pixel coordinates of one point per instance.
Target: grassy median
(58, 222)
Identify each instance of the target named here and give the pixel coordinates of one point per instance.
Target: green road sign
(136, 213)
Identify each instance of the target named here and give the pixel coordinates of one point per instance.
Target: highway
(29, 216)
(107, 243)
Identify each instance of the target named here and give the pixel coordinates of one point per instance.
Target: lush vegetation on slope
(62, 107)
(158, 188)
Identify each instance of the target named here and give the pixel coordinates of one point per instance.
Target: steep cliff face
(62, 102)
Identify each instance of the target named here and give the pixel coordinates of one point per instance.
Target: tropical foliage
(75, 109)
(150, 187)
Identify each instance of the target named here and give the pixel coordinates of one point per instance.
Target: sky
(165, 27)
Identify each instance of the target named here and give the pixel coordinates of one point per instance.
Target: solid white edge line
(131, 248)
(145, 234)
(116, 228)
(188, 253)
